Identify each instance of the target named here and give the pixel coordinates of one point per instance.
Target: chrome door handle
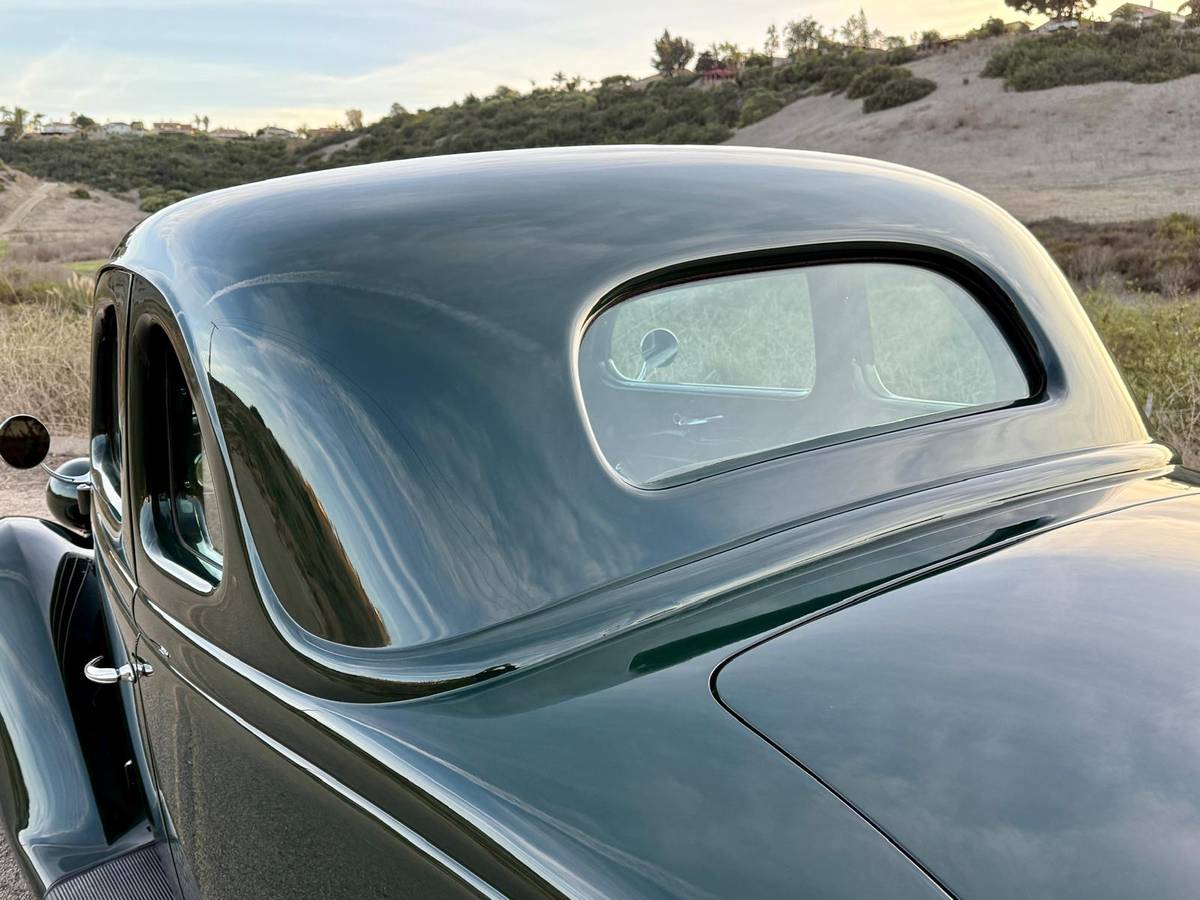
(104, 675)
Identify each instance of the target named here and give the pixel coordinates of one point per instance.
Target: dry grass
(1156, 344)
(44, 355)
(35, 249)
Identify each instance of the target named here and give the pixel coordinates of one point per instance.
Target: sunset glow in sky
(258, 62)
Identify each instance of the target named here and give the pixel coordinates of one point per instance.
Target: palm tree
(17, 119)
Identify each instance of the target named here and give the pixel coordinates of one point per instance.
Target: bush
(157, 200)
(873, 79)
(1154, 345)
(901, 55)
(898, 92)
(81, 194)
(1121, 53)
(759, 104)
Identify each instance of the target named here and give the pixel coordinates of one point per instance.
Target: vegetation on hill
(673, 110)
(1150, 256)
(731, 87)
(150, 165)
(1121, 52)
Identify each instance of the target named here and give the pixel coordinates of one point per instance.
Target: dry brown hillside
(40, 221)
(1098, 152)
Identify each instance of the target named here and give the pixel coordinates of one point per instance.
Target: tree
(929, 39)
(800, 36)
(205, 120)
(731, 55)
(1054, 9)
(857, 32)
(398, 110)
(354, 118)
(82, 122)
(706, 62)
(771, 44)
(671, 54)
(18, 121)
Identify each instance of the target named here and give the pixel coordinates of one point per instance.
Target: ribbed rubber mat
(135, 876)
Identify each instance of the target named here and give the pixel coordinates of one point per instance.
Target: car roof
(480, 272)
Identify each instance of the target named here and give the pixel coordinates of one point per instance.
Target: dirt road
(14, 219)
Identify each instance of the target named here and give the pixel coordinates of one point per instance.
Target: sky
(304, 62)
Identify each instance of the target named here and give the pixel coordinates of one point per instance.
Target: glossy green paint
(543, 722)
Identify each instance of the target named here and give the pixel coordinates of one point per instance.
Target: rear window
(712, 372)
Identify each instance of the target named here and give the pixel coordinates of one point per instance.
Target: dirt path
(17, 216)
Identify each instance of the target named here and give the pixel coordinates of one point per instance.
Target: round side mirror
(659, 348)
(24, 441)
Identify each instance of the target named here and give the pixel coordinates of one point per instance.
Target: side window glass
(107, 442)
(933, 342)
(703, 375)
(715, 323)
(187, 523)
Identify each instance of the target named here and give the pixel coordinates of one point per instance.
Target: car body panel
(449, 650)
(64, 796)
(464, 283)
(613, 771)
(1024, 724)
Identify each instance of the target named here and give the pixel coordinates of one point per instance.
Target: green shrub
(81, 194)
(1121, 53)
(153, 202)
(901, 55)
(759, 104)
(898, 92)
(873, 79)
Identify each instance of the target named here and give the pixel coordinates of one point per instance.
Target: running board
(138, 875)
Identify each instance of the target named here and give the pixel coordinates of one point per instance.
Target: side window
(933, 342)
(708, 373)
(713, 323)
(186, 521)
(107, 442)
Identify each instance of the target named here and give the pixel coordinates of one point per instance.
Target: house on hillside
(275, 133)
(1057, 25)
(59, 129)
(172, 128)
(721, 73)
(118, 129)
(331, 131)
(1137, 14)
(228, 134)
(3, 129)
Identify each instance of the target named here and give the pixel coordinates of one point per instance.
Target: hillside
(45, 222)
(1097, 152)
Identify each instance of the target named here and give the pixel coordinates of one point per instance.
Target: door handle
(128, 672)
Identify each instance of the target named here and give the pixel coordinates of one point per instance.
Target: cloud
(249, 64)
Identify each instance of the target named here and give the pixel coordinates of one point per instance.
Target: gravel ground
(23, 494)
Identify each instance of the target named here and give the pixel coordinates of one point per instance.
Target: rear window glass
(692, 376)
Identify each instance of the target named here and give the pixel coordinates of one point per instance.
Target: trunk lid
(1024, 724)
